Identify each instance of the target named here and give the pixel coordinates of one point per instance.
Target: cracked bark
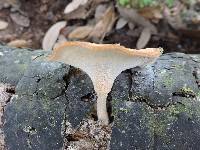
(175, 79)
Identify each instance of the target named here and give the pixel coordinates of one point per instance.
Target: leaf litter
(3, 25)
(74, 5)
(104, 25)
(52, 35)
(183, 17)
(80, 32)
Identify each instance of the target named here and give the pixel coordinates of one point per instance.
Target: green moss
(187, 91)
(198, 94)
(178, 67)
(137, 98)
(159, 127)
(145, 3)
(124, 110)
(158, 124)
(168, 81)
(52, 121)
(159, 121)
(137, 3)
(148, 121)
(46, 103)
(189, 108)
(175, 110)
(119, 123)
(22, 67)
(114, 111)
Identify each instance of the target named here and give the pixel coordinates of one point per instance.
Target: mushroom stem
(103, 78)
(102, 109)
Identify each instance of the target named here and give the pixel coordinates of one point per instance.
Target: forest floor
(25, 23)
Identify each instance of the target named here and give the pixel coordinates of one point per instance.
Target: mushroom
(103, 63)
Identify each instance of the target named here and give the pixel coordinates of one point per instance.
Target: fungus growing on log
(103, 63)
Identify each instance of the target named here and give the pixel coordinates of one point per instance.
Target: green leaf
(170, 3)
(124, 2)
(143, 3)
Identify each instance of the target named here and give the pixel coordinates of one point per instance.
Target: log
(156, 107)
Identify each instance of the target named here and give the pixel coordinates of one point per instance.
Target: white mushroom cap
(103, 63)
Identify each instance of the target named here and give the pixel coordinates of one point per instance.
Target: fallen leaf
(173, 16)
(74, 5)
(104, 25)
(67, 30)
(80, 32)
(134, 33)
(84, 11)
(20, 19)
(61, 39)
(14, 4)
(52, 35)
(19, 44)
(132, 16)
(121, 23)
(8, 37)
(152, 13)
(131, 25)
(80, 13)
(100, 11)
(144, 38)
(3, 25)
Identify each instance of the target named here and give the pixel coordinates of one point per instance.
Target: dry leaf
(80, 32)
(74, 5)
(20, 19)
(15, 4)
(61, 39)
(3, 25)
(152, 13)
(67, 30)
(52, 35)
(131, 25)
(144, 38)
(85, 10)
(80, 13)
(104, 25)
(121, 23)
(99, 11)
(19, 44)
(132, 16)
(134, 33)
(173, 17)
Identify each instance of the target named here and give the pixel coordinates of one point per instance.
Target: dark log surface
(162, 109)
(157, 107)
